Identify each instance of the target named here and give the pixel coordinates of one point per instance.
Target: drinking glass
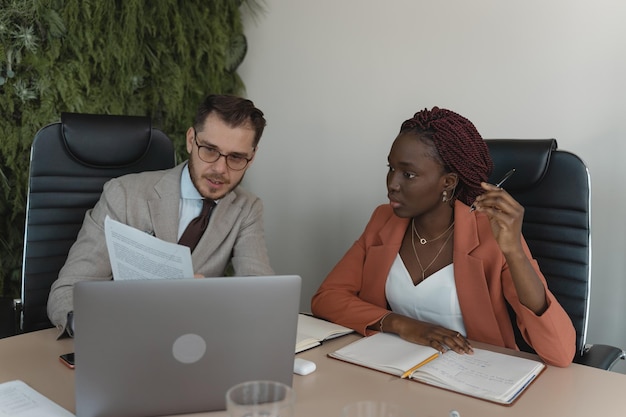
(260, 399)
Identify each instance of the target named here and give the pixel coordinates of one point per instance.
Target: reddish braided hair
(459, 145)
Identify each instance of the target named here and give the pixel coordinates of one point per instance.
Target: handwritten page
(484, 374)
(487, 375)
(137, 255)
(19, 400)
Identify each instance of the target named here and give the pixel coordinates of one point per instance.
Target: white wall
(337, 77)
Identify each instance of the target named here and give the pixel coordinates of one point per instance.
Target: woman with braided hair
(435, 271)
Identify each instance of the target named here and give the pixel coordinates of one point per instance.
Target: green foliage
(136, 57)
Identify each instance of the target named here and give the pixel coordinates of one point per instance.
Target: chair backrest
(554, 187)
(70, 162)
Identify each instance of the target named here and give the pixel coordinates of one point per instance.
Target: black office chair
(554, 187)
(70, 162)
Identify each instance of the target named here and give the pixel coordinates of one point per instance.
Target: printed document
(138, 255)
(19, 400)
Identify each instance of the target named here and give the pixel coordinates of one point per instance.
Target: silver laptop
(150, 348)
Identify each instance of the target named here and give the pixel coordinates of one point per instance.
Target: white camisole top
(434, 300)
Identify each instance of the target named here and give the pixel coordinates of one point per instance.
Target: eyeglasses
(210, 154)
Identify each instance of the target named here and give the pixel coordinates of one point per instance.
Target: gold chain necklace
(436, 256)
(424, 241)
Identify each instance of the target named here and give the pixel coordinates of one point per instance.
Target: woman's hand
(427, 334)
(505, 214)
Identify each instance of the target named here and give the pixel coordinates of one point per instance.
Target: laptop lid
(150, 348)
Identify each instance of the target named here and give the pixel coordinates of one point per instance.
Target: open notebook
(313, 331)
(487, 375)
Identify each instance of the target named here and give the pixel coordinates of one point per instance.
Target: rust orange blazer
(353, 294)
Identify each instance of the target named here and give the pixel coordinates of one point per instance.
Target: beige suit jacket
(150, 202)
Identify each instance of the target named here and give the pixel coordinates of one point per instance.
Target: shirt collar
(187, 189)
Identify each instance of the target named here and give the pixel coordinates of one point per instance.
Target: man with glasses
(202, 194)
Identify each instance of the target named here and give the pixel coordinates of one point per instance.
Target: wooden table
(576, 391)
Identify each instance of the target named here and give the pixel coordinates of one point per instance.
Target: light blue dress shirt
(190, 201)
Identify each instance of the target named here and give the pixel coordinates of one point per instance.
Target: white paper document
(19, 400)
(138, 255)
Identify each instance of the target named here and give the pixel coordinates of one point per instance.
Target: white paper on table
(19, 400)
(138, 255)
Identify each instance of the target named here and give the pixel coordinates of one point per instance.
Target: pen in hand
(506, 177)
(498, 184)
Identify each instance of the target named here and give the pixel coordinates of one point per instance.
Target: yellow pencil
(422, 363)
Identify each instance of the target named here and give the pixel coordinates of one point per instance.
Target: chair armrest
(600, 356)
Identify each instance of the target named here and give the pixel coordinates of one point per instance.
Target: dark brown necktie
(197, 226)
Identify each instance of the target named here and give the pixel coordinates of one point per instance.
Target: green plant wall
(136, 57)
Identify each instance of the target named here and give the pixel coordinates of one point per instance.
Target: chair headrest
(529, 157)
(97, 139)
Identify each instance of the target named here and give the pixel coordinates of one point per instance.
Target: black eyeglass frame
(225, 155)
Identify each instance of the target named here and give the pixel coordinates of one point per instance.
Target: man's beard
(202, 179)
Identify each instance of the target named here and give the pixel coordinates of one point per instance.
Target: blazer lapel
(223, 218)
(164, 207)
(471, 281)
(382, 253)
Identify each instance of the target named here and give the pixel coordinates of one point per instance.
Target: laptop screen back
(149, 348)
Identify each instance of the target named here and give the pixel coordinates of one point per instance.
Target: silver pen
(506, 177)
(498, 184)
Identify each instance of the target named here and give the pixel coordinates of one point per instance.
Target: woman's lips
(394, 203)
